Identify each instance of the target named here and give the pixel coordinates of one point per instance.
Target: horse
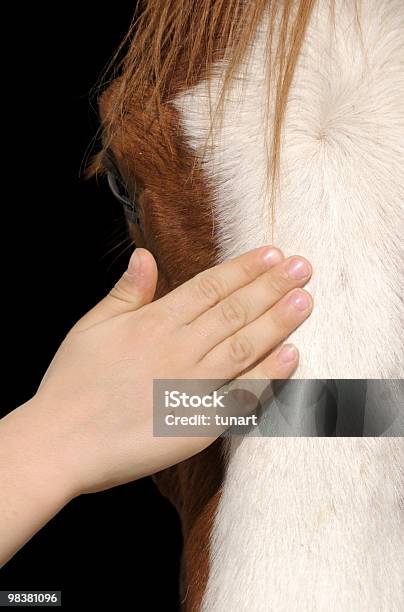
(228, 125)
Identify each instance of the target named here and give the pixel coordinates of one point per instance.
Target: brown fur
(193, 486)
(183, 245)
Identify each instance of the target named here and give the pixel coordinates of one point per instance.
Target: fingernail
(298, 268)
(300, 300)
(135, 264)
(287, 353)
(272, 256)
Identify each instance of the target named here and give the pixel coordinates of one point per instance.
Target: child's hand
(95, 402)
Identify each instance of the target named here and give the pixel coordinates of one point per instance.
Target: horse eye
(120, 191)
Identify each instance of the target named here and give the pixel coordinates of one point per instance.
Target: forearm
(32, 484)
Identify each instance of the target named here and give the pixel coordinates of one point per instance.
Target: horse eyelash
(116, 182)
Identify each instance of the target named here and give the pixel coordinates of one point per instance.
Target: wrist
(31, 449)
(33, 484)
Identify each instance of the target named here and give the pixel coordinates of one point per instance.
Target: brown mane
(193, 36)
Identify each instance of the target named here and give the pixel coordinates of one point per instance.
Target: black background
(61, 251)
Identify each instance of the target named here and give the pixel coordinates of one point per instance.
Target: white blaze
(316, 524)
(342, 183)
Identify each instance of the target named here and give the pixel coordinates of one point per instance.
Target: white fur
(309, 525)
(316, 524)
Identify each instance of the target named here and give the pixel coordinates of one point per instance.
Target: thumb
(134, 289)
(137, 286)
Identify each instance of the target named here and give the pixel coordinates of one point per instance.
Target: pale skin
(89, 426)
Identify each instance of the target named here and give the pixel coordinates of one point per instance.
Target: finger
(247, 388)
(134, 289)
(248, 303)
(213, 285)
(138, 284)
(244, 348)
(281, 363)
